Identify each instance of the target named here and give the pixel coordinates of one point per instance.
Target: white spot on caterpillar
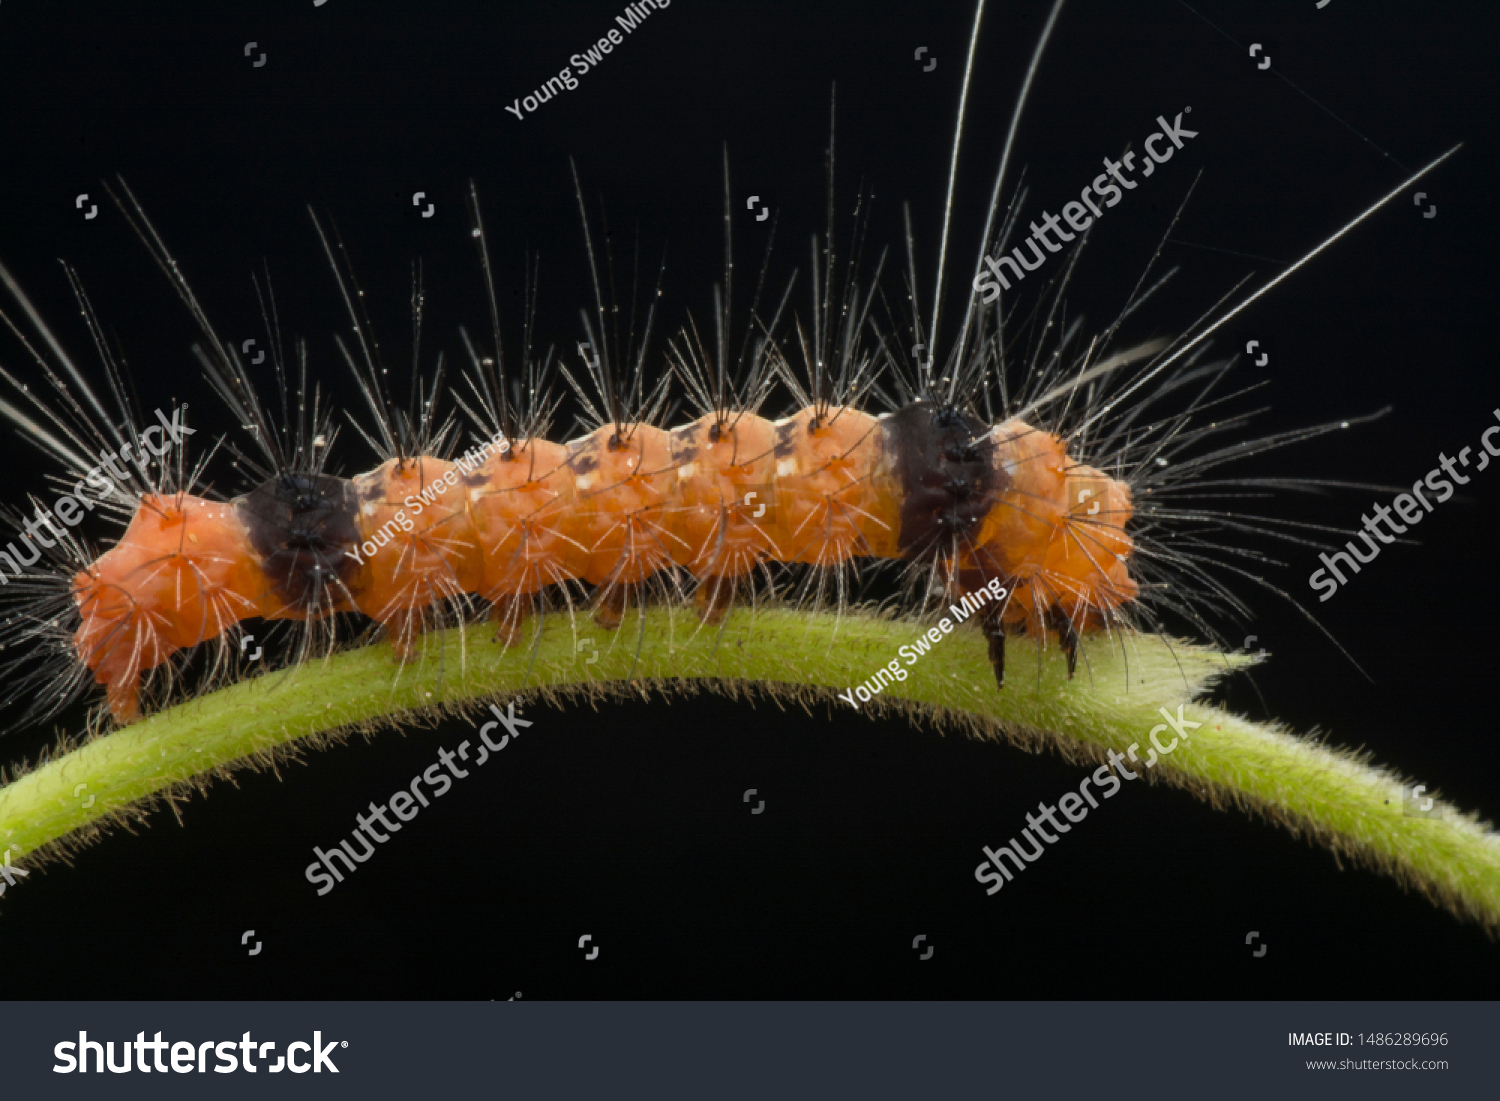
(786, 468)
(687, 471)
(586, 481)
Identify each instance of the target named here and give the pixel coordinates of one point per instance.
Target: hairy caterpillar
(350, 458)
(613, 509)
(977, 502)
(976, 499)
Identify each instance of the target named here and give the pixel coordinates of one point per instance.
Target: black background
(627, 823)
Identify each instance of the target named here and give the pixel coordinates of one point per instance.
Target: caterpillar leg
(1067, 635)
(994, 632)
(404, 626)
(612, 603)
(509, 613)
(124, 701)
(714, 598)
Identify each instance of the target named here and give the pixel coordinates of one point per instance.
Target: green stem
(1114, 702)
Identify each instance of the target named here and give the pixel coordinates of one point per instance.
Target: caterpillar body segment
(304, 529)
(183, 573)
(727, 514)
(1031, 478)
(518, 511)
(624, 489)
(1085, 563)
(422, 545)
(834, 487)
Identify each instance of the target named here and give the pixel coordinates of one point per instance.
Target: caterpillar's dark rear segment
(943, 460)
(303, 527)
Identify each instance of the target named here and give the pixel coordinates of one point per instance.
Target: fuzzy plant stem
(1124, 690)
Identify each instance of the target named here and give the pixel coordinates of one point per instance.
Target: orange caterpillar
(967, 502)
(715, 498)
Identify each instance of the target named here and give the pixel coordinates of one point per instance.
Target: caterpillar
(966, 501)
(613, 509)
